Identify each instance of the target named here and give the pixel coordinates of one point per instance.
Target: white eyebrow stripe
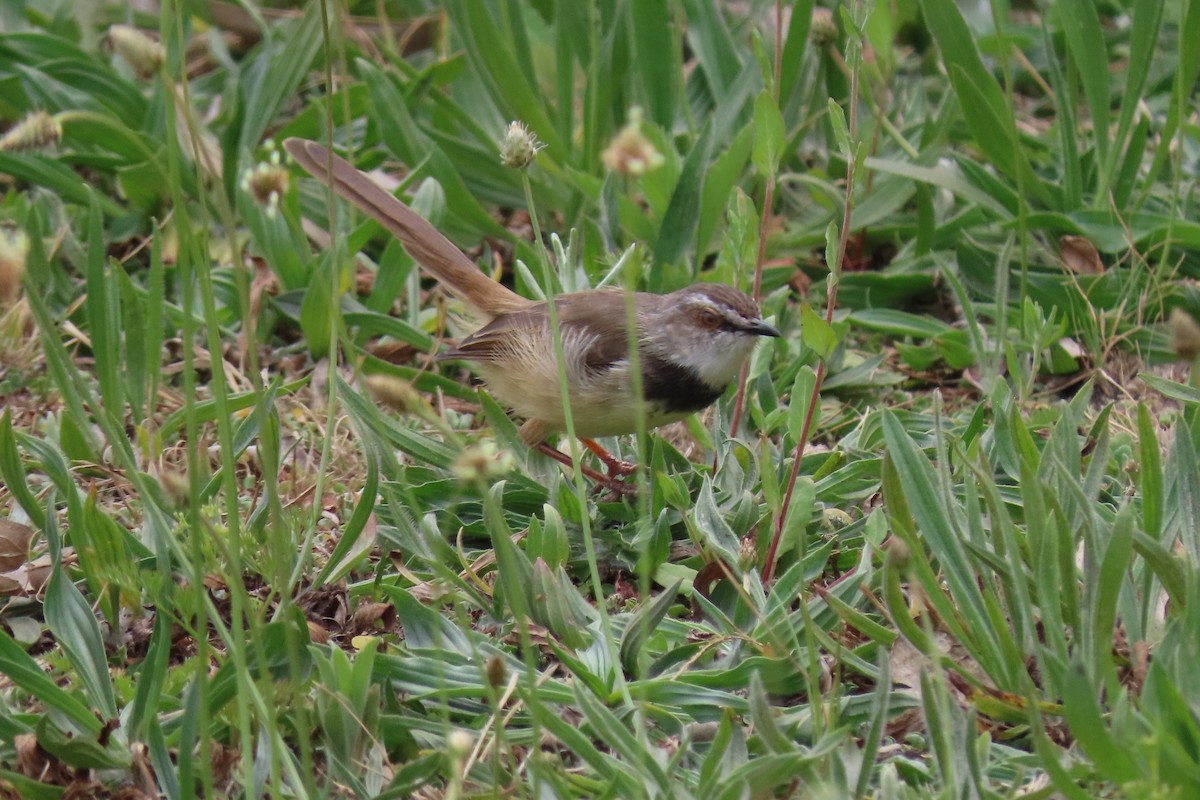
(726, 311)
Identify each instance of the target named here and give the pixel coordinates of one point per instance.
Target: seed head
(267, 182)
(393, 392)
(822, 31)
(747, 554)
(35, 131)
(519, 147)
(1185, 334)
(483, 461)
(497, 672)
(137, 49)
(14, 246)
(630, 152)
(459, 743)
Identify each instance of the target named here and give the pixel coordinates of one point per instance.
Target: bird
(691, 343)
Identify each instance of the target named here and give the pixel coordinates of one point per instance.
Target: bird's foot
(615, 467)
(612, 482)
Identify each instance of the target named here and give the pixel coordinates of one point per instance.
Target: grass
(941, 541)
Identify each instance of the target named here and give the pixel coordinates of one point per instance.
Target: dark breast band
(678, 388)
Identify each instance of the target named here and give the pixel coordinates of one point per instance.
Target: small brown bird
(691, 343)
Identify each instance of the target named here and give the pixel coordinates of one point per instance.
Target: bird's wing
(593, 325)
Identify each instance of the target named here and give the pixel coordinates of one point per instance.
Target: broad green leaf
(799, 400)
(641, 626)
(658, 59)
(70, 619)
(1091, 731)
(1085, 41)
(768, 134)
(24, 672)
(817, 334)
(679, 221)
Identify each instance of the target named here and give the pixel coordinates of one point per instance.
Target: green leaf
(79, 751)
(13, 474)
(794, 46)
(712, 41)
(152, 674)
(1174, 390)
(1114, 566)
(799, 399)
(408, 142)
(984, 106)
(768, 134)
(367, 414)
(618, 777)
(317, 310)
(70, 619)
(658, 61)
(1081, 26)
(841, 131)
(679, 221)
(643, 623)
(1143, 38)
(348, 549)
(56, 177)
(1091, 731)
(497, 56)
(26, 673)
(1150, 474)
(375, 324)
(935, 520)
(611, 730)
(899, 323)
(711, 527)
(719, 191)
(762, 715)
(287, 58)
(817, 334)
(104, 317)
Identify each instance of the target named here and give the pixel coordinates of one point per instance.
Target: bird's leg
(610, 482)
(615, 467)
(534, 432)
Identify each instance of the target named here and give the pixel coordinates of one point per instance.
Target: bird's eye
(709, 318)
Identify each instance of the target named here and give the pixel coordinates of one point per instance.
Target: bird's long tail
(437, 254)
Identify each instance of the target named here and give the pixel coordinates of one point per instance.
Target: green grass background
(943, 540)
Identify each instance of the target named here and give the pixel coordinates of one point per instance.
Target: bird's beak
(760, 328)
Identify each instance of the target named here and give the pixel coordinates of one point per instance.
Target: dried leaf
(37, 572)
(318, 634)
(373, 616)
(14, 544)
(1081, 256)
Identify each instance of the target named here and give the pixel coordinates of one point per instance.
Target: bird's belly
(601, 404)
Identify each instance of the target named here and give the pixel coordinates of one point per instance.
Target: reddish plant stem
(813, 400)
(830, 304)
(739, 402)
